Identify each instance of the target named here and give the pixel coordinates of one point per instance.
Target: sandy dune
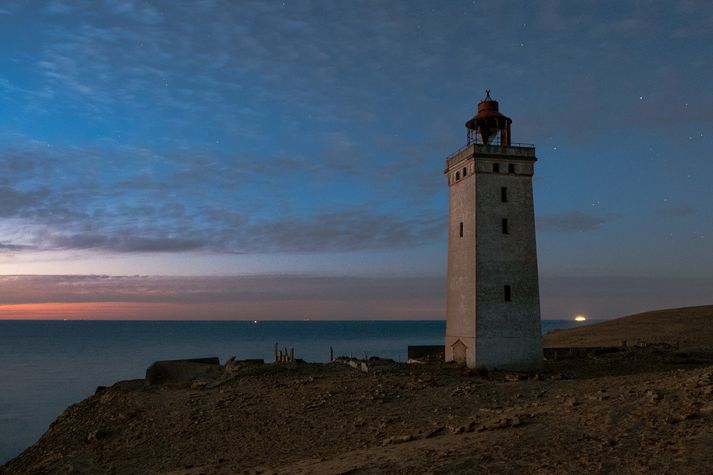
(687, 327)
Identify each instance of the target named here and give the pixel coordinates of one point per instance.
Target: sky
(280, 160)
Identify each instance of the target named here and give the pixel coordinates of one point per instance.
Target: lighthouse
(492, 302)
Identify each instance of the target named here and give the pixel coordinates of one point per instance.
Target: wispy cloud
(144, 56)
(301, 296)
(12, 247)
(183, 202)
(677, 211)
(344, 230)
(245, 297)
(216, 126)
(13, 202)
(16, 289)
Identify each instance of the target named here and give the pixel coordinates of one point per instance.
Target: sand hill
(686, 327)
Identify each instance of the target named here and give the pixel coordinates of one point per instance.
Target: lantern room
(489, 126)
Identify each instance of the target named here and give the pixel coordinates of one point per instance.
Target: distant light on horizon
(580, 318)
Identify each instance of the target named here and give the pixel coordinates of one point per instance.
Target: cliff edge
(643, 409)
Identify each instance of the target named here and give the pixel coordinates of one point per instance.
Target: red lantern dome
(489, 126)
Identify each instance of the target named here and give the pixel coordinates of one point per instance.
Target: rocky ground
(647, 409)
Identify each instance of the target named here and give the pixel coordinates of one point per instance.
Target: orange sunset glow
(316, 310)
(84, 311)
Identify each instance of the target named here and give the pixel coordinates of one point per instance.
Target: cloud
(12, 247)
(142, 201)
(575, 221)
(611, 296)
(131, 54)
(231, 297)
(321, 297)
(121, 198)
(17, 289)
(350, 229)
(121, 243)
(677, 211)
(273, 126)
(13, 201)
(345, 230)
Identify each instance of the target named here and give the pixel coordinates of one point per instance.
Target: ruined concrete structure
(493, 303)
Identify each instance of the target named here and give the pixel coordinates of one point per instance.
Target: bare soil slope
(644, 410)
(689, 328)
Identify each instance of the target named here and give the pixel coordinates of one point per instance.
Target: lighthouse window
(496, 168)
(457, 175)
(507, 293)
(505, 226)
(461, 229)
(465, 172)
(504, 194)
(511, 168)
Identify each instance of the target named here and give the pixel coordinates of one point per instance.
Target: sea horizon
(262, 320)
(47, 365)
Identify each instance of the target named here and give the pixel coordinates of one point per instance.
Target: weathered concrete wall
(460, 300)
(497, 333)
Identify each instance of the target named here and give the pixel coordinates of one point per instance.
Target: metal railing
(493, 144)
(475, 139)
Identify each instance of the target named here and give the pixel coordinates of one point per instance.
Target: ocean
(47, 365)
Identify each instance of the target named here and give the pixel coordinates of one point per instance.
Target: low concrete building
(493, 304)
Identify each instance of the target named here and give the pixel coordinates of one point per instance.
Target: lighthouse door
(459, 349)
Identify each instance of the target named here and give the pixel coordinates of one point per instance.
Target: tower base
(512, 354)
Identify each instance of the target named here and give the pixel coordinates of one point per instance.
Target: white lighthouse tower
(493, 302)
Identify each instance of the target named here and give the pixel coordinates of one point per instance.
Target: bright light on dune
(580, 318)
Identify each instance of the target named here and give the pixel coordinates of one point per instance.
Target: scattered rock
(97, 434)
(199, 384)
(501, 423)
(221, 381)
(691, 415)
(600, 395)
(399, 439)
(438, 430)
(654, 396)
(459, 429)
(359, 421)
(231, 365)
(463, 390)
